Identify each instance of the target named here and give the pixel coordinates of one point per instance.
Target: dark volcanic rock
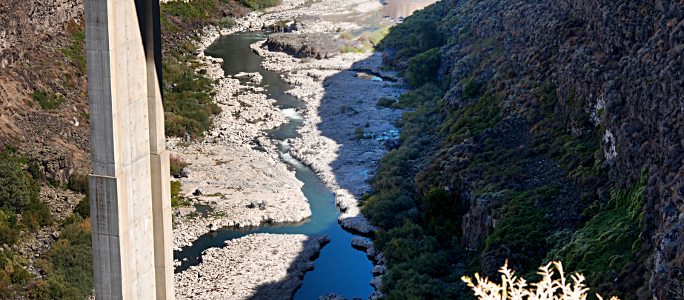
(316, 45)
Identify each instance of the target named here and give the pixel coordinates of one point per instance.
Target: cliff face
(43, 85)
(622, 63)
(25, 23)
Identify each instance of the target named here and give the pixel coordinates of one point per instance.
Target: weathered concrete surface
(130, 196)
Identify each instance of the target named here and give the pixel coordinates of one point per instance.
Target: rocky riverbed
(236, 170)
(339, 104)
(257, 266)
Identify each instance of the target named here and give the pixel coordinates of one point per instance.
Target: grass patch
(47, 101)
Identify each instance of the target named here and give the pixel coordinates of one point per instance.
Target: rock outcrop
(621, 61)
(24, 23)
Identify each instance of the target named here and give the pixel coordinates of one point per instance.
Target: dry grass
(515, 288)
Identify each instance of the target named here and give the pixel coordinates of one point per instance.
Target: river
(339, 268)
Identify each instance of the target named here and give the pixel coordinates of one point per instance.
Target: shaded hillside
(550, 130)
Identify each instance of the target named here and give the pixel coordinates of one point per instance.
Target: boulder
(362, 243)
(258, 204)
(391, 144)
(376, 282)
(379, 270)
(332, 296)
(183, 173)
(199, 191)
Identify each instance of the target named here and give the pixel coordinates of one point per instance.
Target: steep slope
(558, 136)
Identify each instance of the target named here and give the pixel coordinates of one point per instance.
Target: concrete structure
(130, 194)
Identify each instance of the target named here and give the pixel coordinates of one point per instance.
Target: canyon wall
(24, 23)
(623, 61)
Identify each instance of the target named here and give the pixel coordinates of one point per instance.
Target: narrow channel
(339, 268)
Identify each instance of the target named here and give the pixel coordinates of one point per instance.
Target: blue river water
(339, 268)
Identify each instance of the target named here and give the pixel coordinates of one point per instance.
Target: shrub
(47, 101)
(260, 4)
(515, 288)
(176, 163)
(83, 207)
(385, 102)
(471, 89)
(68, 265)
(423, 67)
(15, 187)
(188, 106)
(347, 36)
(228, 22)
(78, 183)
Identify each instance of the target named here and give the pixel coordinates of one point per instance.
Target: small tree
(15, 187)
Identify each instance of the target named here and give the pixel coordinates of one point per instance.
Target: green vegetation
(197, 10)
(75, 51)
(423, 67)
(79, 183)
(175, 191)
(188, 105)
(47, 101)
(608, 241)
(227, 22)
(418, 33)
(68, 265)
(260, 4)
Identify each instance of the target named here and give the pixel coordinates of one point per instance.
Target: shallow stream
(339, 268)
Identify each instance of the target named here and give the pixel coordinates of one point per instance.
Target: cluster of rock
(61, 201)
(257, 266)
(20, 29)
(316, 45)
(326, 128)
(378, 260)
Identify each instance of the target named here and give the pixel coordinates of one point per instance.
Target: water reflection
(399, 9)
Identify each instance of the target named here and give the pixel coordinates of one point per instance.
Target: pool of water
(339, 268)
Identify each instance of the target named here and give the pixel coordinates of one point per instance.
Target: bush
(188, 106)
(176, 163)
(260, 4)
(471, 89)
(423, 67)
(514, 288)
(68, 265)
(47, 101)
(78, 183)
(347, 36)
(228, 22)
(15, 187)
(83, 207)
(385, 102)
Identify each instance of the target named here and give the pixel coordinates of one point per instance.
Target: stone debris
(379, 270)
(332, 296)
(198, 192)
(258, 204)
(255, 77)
(257, 266)
(376, 282)
(183, 173)
(326, 128)
(362, 243)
